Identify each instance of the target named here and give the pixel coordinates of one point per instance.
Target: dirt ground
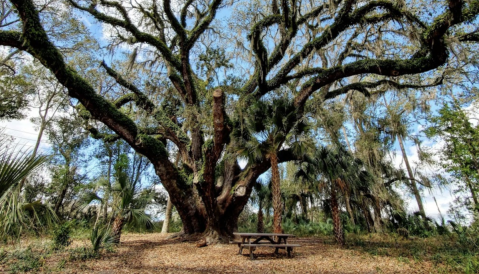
(153, 253)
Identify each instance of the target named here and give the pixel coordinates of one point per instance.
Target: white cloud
(25, 133)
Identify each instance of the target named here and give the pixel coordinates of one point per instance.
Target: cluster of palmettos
(292, 57)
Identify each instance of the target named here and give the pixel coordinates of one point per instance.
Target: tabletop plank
(246, 234)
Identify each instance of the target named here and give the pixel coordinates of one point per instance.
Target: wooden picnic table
(253, 240)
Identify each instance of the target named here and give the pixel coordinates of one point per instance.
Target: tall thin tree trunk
(107, 191)
(260, 225)
(337, 227)
(413, 184)
(166, 222)
(66, 182)
(276, 191)
(169, 206)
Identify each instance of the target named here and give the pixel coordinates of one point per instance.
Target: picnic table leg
(240, 252)
(289, 249)
(251, 255)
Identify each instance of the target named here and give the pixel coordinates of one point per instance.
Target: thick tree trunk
(276, 191)
(166, 222)
(118, 224)
(337, 226)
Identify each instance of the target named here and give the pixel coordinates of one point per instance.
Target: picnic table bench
(264, 239)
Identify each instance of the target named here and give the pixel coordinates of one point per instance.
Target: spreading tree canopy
(196, 68)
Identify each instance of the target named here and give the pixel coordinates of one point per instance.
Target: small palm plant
(16, 214)
(129, 200)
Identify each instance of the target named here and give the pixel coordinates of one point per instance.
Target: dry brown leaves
(153, 253)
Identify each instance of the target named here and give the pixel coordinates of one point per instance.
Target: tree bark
(117, 227)
(337, 226)
(166, 222)
(260, 225)
(63, 192)
(276, 191)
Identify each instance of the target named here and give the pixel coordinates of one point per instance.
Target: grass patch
(448, 253)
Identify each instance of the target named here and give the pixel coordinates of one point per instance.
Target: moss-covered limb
(108, 138)
(157, 20)
(140, 99)
(328, 35)
(184, 12)
(12, 39)
(188, 79)
(381, 67)
(200, 28)
(470, 37)
(38, 44)
(392, 8)
(258, 47)
(174, 133)
(343, 21)
(177, 27)
(312, 14)
(125, 99)
(364, 87)
(436, 55)
(177, 82)
(127, 25)
(454, 15)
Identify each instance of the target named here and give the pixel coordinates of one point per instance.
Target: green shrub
(61, 236)
(25, 261)
(82, 254)
(101, 237)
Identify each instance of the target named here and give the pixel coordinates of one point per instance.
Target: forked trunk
(276, 191)
(337, 227)
(118, 224)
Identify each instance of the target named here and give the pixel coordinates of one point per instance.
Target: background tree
(460, 155)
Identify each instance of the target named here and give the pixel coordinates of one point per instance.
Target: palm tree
(262, 193)
(339, 172)
(396, 126)
(15, 214)
(268, 128)
(129, 200)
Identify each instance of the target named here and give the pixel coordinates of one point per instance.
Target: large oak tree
(303, 51)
